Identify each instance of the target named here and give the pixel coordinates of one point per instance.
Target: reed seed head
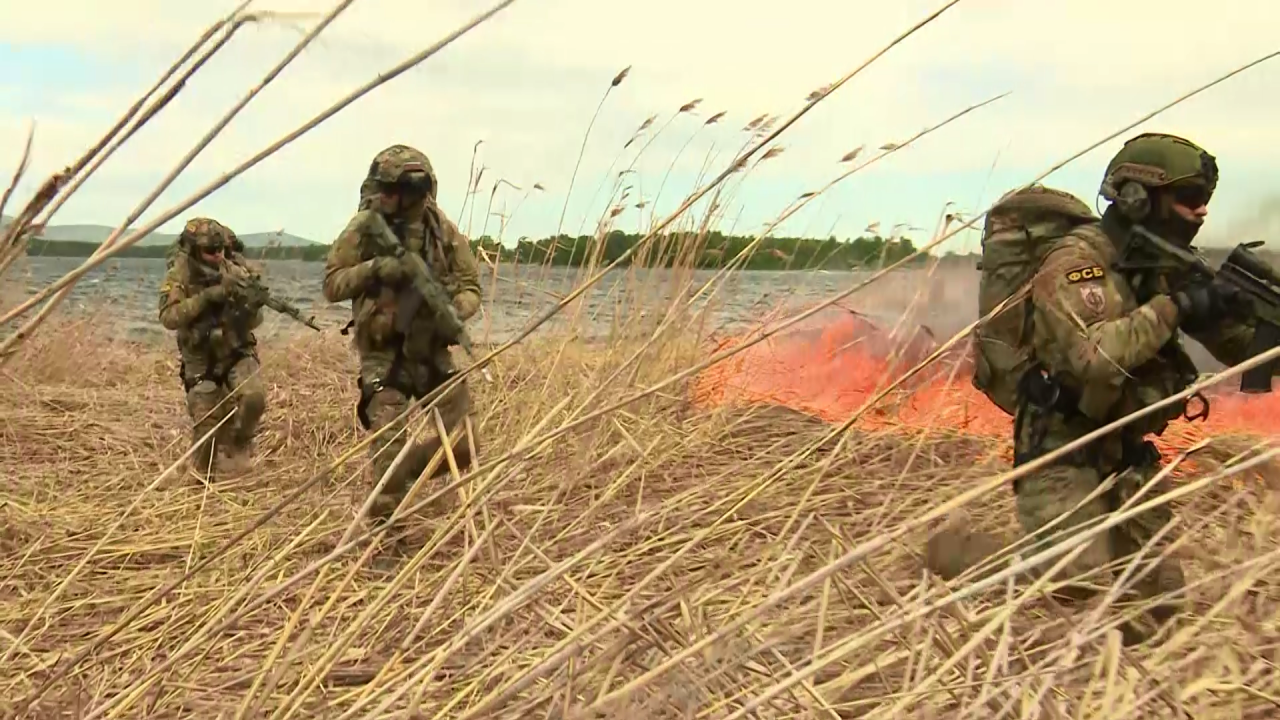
(689, 106)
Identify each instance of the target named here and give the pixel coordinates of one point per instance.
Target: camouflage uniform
(1107, 340)
(218, 349)
(397, 368)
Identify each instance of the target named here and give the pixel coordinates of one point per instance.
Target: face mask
(1176, 228)
(1172, 224)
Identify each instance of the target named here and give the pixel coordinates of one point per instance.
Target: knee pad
(253, 403)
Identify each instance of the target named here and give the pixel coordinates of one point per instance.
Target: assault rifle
(427, 289)
(255, 294)
(1243, 270)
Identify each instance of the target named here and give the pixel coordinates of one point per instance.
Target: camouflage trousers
(1044, 496)
(243, 392)
(383, 400)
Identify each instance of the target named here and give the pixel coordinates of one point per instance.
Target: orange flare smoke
(834, 362)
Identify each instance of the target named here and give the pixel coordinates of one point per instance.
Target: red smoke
(832, 363)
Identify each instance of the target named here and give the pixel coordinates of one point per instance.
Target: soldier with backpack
(1086, 337)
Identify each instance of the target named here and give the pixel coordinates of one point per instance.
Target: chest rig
(1044, 396)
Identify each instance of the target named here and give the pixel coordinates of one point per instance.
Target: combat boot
(200, 468)
(955, 548)
(235, 461)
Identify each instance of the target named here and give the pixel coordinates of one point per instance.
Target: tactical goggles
(1190, 195)
(409, 183)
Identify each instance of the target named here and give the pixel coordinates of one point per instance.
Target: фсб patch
(1093, 272)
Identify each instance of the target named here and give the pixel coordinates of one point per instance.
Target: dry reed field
(624, 547)
(662, 560)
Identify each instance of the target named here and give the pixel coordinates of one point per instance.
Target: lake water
(945, 301)
(519, 294)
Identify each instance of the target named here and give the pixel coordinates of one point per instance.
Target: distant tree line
(712, 249)
(708, 250)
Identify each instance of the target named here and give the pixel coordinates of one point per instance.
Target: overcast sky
(528, 81)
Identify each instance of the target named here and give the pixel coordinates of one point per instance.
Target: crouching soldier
(201, 301)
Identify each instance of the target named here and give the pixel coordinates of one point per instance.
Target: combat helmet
(201, 233)
(205, 233)
(401, 165)
(1155, 160)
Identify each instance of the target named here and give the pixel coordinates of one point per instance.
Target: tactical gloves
(388, 270)
(214, 294)
(227, 291)
(1203, 304)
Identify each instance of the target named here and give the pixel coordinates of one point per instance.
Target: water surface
(945, 301)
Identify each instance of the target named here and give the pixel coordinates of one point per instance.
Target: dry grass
(619, 552)
(629, 544)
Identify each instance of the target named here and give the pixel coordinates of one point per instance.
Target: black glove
(1204, 304)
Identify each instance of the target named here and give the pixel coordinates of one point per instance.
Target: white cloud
(528, 81)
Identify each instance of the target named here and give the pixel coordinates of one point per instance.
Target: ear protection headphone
(1131, 198)
(1134, 202)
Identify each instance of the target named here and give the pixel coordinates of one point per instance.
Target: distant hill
(97, 234)
(774, 253)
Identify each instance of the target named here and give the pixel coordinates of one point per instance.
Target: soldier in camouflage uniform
(216, 343)
(397, 368)
(1107, 339)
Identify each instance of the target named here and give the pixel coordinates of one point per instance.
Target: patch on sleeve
(1094, 298)
(166, 287)
(1093, 272)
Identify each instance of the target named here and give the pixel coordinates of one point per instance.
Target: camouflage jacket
(1117, 354)
(349, 275)
(208, 337)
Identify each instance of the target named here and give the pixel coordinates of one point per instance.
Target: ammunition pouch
(408, 384)
(221, 378)
(1040, 397)
(1043, 397)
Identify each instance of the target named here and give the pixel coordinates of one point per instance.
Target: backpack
(1020, 230)
(177, 248)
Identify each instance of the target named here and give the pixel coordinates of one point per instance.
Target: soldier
(397, 368)
(1101, 342)
(216, 342)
